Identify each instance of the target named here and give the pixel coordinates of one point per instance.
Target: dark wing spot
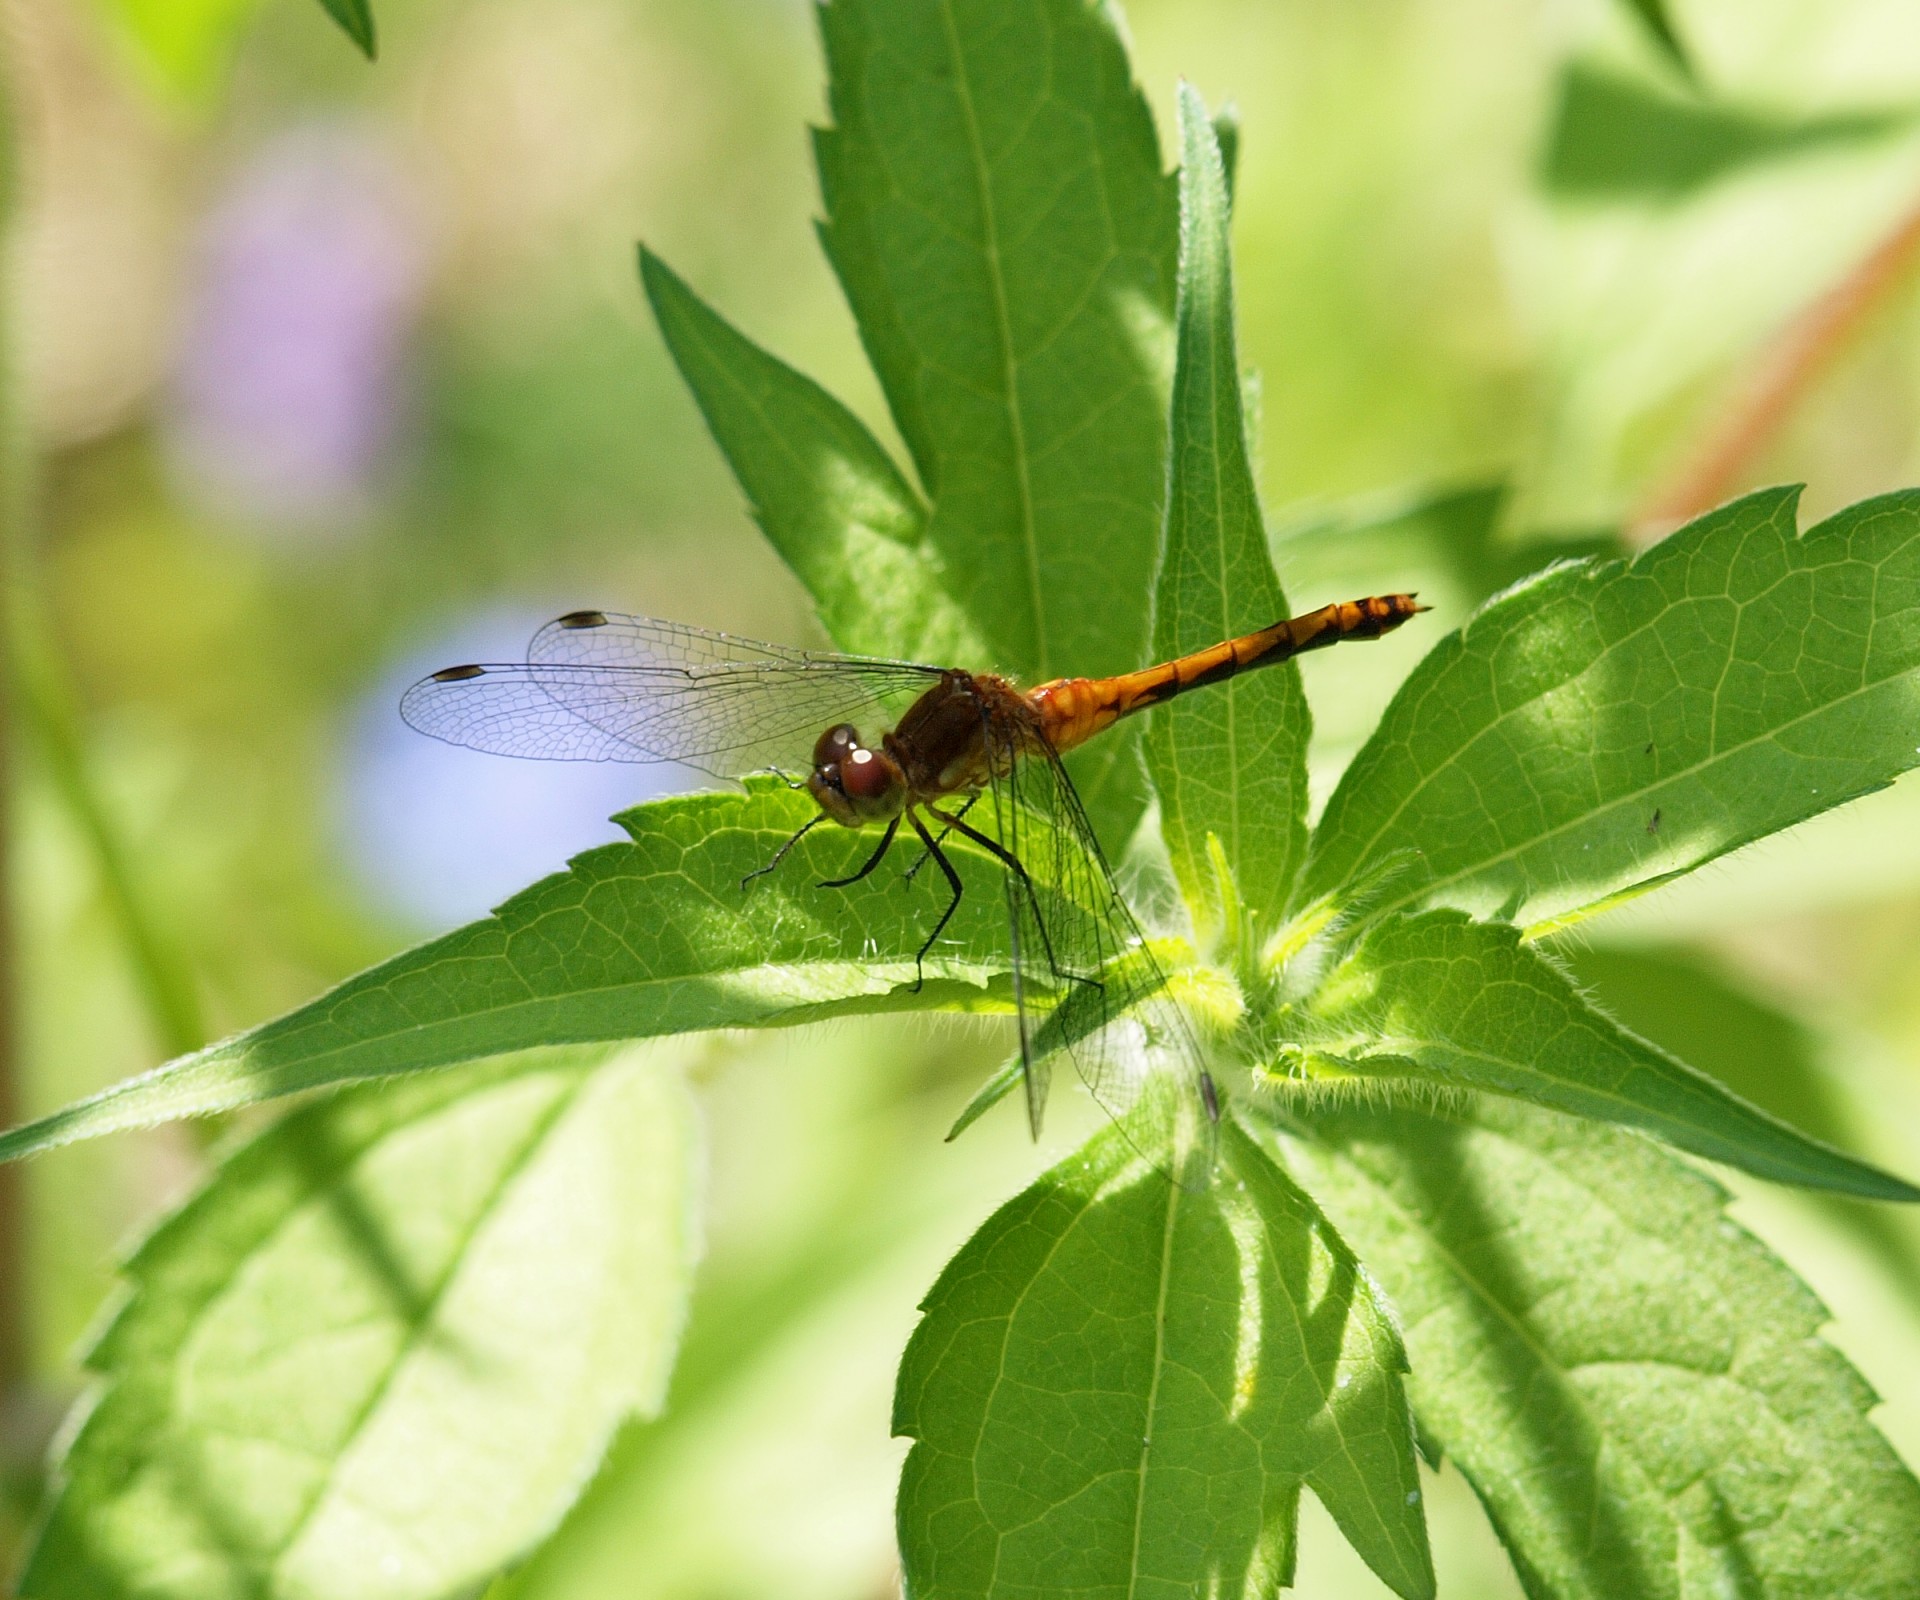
(455, 674)
(1653, 822)
(583, 619)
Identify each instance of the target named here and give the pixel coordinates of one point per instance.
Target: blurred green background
(334, 374)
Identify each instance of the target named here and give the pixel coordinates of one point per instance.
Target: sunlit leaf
(1635, 1386)
(1612, 724)
(1686, 1005)
(997, 214)
(1449, 545)
(359, 1363)
(822, 489)
(1615, 137)
(1119, 1387)
(632, 941)
(1451, 1003)
(1229, 760)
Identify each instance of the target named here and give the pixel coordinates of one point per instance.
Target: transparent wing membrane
(1073, 934)
(601, 687)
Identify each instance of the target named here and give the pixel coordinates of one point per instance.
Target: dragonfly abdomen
(1073, 710)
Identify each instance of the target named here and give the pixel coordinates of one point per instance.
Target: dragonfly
(599, 686)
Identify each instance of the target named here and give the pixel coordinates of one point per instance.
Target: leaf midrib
(963, 974)
(1546, 1361)
(1387, 1530)
(1153, 1386)
(430, 1305)
(160, 1098)
(1215, 406)
(1389, 1042)
(1627, 798)
(1003, 332)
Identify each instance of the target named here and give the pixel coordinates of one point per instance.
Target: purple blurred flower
(287, 397)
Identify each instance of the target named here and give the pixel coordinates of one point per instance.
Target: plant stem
(16, 499)
(1805, 348)
(44, 708)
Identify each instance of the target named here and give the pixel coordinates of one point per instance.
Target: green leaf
(1119, 1386)
(997, 214)
(1232, 761)
(1635, 1387)
(1613, 724)
(1660, 24)
(1690, 1008)
(1447, 545)
(1462, 1004)
(632, 941)
(379, 1354)
(356, 17)
(1226, 134)
(1619, 138)
(825, 493)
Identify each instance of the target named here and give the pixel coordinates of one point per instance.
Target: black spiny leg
(939, 858)
(879, 852)
(1014, 865)
(939, 838)
(780, 855)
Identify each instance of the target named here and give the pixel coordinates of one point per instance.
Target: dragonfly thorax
(853, 784)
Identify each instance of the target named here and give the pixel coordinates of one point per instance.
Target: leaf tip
(355, 18)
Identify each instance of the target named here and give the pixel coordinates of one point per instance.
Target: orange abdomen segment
(1073, 710)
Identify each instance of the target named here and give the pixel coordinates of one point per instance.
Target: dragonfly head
(853, 784)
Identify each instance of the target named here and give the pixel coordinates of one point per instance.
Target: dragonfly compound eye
(833, 746)
(866, 776)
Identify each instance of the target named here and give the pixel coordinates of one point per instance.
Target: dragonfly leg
(939, 857)
(1014, 865)
(939, 838)
(780, 855)
(872, 861)
(782, 774)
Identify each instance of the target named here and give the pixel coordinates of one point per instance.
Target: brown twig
(1787, 371)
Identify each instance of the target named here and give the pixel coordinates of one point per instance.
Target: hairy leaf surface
(358, 1363)
(998, 216)
(1634, 1385)
(1119, 1386)
(1231, 759)
(1461, 1004)
(632, 941)
(1686, 1004)
(1611, 724)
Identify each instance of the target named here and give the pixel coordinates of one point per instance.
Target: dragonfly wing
(637, 689)
(1073, 934)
